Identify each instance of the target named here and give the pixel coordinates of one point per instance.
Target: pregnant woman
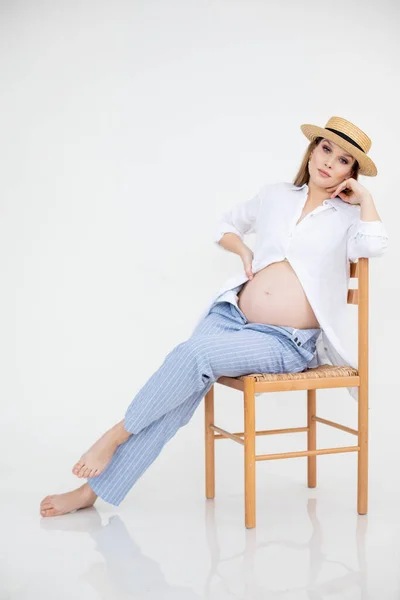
(289, 299)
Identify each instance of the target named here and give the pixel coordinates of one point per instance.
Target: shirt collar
(329, 201)
(296, 187)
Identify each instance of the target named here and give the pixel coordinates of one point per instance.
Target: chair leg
(249, 453)
(209, 443)
(362, 491)
(311, 438)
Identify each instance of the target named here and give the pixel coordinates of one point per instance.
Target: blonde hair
(303, 174)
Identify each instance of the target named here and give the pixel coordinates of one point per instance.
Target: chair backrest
(359, 296)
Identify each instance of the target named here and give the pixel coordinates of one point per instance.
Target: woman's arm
(241, 218)
(368, 210)
(233, 243)
(367, 235)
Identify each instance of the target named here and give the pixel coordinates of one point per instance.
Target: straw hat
(347, 136)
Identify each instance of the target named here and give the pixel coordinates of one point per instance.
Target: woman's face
(332, 159)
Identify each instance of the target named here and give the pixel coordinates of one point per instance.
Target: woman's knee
(194, 346)
(196, 354)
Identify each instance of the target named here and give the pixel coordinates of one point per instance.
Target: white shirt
(319, 249)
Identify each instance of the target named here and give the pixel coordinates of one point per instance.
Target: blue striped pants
(223, 343)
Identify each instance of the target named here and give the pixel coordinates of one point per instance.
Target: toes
(49, 512)
(94, 472)
(86, 472)
(47, 501)
(77, 468)
(81, 471)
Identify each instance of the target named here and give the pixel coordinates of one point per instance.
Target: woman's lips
(323, 174)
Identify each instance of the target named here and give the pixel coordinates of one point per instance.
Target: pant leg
(228, 345)
(222, 317)
(170, 397)
(132, 458)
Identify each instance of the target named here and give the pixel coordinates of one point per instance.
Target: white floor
(167, 541)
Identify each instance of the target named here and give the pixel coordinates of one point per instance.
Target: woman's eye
(327, 148)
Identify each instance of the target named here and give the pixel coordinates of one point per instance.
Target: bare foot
(60, 504)
(95, 460)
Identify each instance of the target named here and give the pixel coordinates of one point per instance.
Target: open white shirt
(319, 249)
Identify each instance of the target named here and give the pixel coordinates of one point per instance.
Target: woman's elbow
(373, 247)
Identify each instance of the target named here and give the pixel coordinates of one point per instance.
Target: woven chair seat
(315, 373)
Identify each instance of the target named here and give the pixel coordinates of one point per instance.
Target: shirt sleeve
(241, 218)
(366, 239)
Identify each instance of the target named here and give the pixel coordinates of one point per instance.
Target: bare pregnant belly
(275, 297)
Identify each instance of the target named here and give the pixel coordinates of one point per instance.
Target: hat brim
(367, 166)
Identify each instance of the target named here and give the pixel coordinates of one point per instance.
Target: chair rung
(268, 432)
(227, 434)
(336, 425)
(307, 453)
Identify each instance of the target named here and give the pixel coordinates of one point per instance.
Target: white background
(126, 129)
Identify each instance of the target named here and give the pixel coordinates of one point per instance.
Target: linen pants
(223, 343)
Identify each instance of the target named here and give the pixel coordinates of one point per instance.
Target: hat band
(345, 137)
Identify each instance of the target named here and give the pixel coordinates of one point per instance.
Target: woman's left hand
(356, 193)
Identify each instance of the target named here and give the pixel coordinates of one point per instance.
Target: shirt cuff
(375, 228)
(227, 229)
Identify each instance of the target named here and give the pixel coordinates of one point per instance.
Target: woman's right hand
(247, 258)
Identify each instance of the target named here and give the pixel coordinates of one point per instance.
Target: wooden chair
(322, 377)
